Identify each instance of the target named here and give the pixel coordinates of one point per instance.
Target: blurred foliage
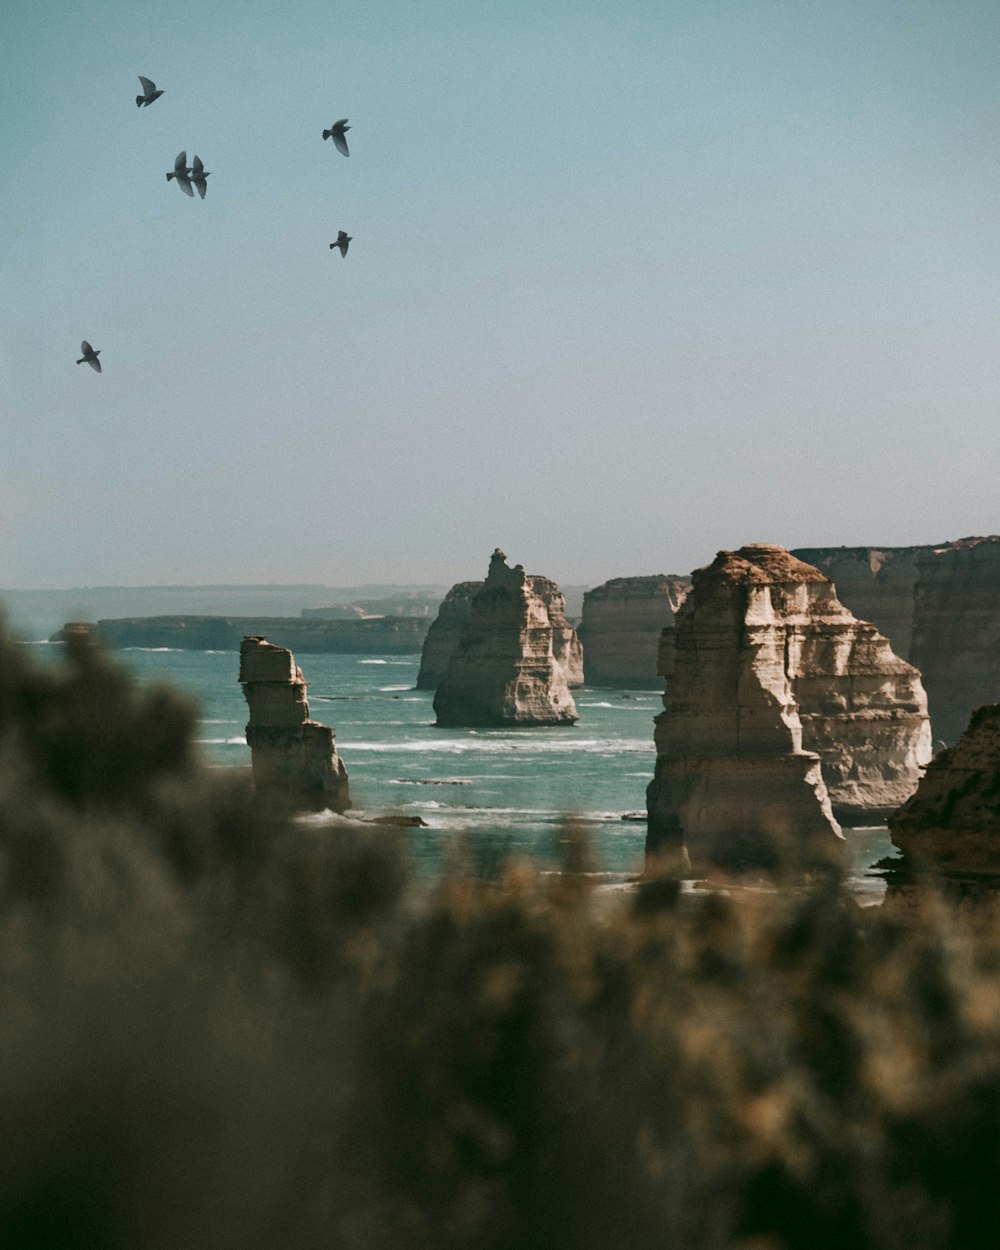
(220, 1027)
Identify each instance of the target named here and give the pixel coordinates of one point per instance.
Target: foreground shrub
(218, 1028)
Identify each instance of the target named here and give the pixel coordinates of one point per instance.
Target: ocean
(504, 791)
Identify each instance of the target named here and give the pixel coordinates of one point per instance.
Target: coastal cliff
(956, 630)
(294, 758)
(504, 670)
(621, 627)
(395, 635)
(444, 634)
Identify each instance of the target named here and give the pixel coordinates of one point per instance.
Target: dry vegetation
(221, 1028)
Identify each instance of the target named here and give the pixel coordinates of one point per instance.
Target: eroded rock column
(295, 760)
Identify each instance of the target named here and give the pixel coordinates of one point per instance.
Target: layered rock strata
(567, 649)
(952, 821)
(781, 712)
(294, 758)
(622, 623)
(956, 630)
(444, 634)
(505, 670)
(391, 635)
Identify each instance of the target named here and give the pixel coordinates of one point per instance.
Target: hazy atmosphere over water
(628, 284)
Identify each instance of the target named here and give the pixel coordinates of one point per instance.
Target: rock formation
(781, 711)
(567, 649)
(390, 635)
(940, 608)
(952, 821)
(877, 584)
(294, 758)
(505, 670)
(444, 634)
(622, 622)
(956, 630)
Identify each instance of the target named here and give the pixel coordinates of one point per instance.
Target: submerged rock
(622, 623)
(294, 758)
(505, 670)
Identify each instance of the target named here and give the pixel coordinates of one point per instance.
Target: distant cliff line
(393, 635)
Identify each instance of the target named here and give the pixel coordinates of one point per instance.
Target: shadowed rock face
(782, 712)
(732, 781)
(294, 758)
(952, 821)
(444, 634)
(940, 608)
(505, 670)
(622, 622)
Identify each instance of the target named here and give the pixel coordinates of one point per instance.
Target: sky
(629, 284)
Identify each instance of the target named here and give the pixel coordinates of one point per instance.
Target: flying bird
(149, 92)
(182, 174)
(343, 238)
(198, 175)
(90, 356)
(336, 133)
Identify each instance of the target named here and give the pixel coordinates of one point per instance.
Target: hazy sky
(629, 283)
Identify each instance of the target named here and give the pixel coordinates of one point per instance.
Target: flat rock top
(762, 564)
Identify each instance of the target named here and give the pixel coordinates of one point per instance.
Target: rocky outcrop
(567, 649)
(877, 584)
(444, 634)
(505, 670)
(622, 623)
(391, 635)
(295, 761)
(952, 821)
(732, 783)
(781, 712)
(940, 608)
(956, 630)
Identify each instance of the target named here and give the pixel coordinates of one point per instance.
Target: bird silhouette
(181, 173)
(342, 241)
(336, 133)
(198, 175)
(90, 356)
(149, 92)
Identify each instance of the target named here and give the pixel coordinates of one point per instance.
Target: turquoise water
(509, 790)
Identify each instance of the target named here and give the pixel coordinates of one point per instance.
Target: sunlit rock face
(621, 627)
(567, 649)
(294, 758)
(952, 822)
(444, 634)
(956, 630)
(939, 606)
(782, 712)
(505, 670)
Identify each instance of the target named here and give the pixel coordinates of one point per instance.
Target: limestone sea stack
(444, 634)
(505, 669)
(952, 821)
(295, 761)
(621, 627)
(567, 649)
(766, 662)
(733, 785)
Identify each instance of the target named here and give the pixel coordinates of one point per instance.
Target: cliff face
(956, 633)
(505, 670)
(732, 782)
(294, 758)
(877, 584)
(939, 606)
(567, 650)
(444, 634)
(774, 688)
(395, 635)
(622, 623)
(953, 820)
